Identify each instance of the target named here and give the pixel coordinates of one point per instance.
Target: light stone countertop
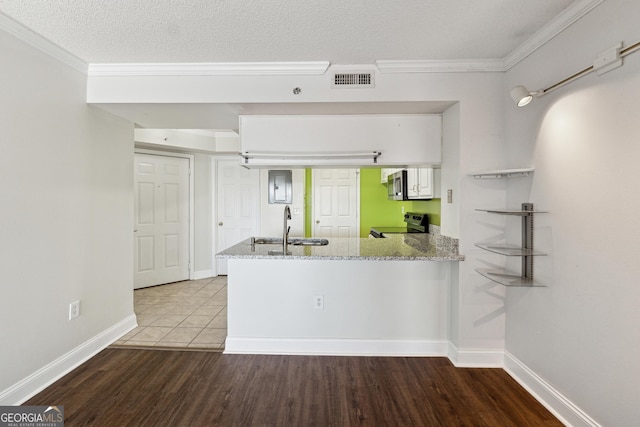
(397, 247)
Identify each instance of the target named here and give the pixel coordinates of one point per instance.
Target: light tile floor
(189, 314)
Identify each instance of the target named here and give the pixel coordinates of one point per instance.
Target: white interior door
(161, 208)
(335, 203)
(237, 209)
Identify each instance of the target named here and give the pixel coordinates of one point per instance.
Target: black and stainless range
(416, 223)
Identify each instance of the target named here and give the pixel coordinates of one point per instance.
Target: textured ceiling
(339, 31)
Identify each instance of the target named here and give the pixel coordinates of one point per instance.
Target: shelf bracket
(527, 240)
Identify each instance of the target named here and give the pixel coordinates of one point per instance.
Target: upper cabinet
(341, 140)
(420, 184)
(385, 172)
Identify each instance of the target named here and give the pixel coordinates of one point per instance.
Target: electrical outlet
(74, 310)
(318, 302)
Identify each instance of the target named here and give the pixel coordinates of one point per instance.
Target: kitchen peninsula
(353, 296)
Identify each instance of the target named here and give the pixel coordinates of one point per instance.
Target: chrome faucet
(285, 229)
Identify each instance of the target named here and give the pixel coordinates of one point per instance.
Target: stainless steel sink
(308, 242)
(292, 241)
(266, 240)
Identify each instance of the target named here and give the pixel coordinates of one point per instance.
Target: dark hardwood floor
(125, 387)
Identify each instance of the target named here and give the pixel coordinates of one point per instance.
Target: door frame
(190, 157)
(215, 159)
(312, 198)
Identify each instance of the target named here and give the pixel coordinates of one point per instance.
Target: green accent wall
(375, 208)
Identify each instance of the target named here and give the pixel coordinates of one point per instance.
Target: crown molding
(23, 33)
(554, 27)
(440, 66)
(210, 69)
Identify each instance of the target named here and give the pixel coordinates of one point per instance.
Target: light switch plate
(74, 310)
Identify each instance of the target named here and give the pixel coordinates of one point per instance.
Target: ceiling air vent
(352, 80)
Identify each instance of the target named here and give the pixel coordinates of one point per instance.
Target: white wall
(581, 334)
(203, 216)
(370, 307)
(450, 171)
(402, 139)
(478, 329)
(67, 219)
(188, 140)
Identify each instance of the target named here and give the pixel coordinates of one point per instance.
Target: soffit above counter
(340, 140)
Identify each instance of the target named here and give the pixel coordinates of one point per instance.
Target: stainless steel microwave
(397, 186)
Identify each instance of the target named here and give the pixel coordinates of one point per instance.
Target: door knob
(317, 221)
(220, 223)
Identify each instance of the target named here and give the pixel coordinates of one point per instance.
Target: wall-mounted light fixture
(521, 96)
(608, 60)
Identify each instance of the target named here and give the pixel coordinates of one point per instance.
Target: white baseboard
(548, 396)
(335, 347)
(475, 358)
(47, 375)
(202, 274)
(361, 347)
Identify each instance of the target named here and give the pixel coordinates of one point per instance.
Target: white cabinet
(420, 183)
(385, 172)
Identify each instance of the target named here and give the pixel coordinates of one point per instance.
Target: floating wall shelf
(502, 173)
(525, 251)
(509, 250)
(517, 212)
(507, 278)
